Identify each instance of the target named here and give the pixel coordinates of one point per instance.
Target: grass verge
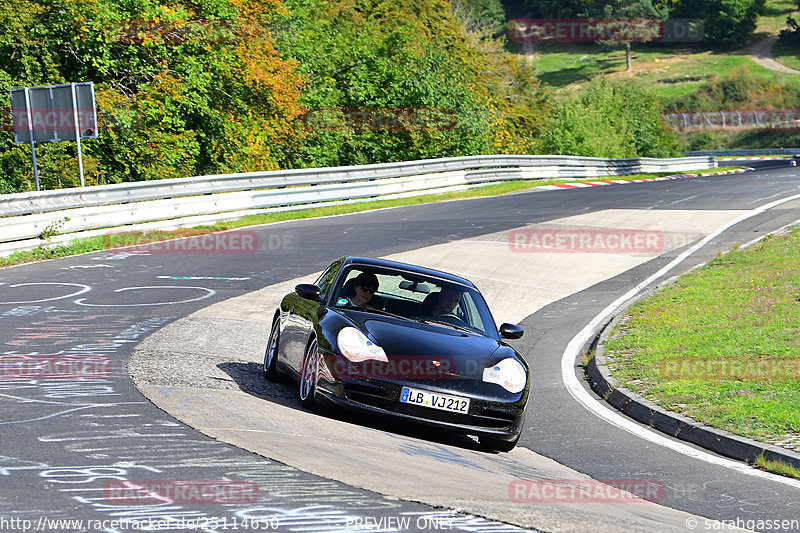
(777, 467)
(722, 345)
(133, 237)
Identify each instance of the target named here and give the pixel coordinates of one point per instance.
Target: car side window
(325, 280)
(469, 312)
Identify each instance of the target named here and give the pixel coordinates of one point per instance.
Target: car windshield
(414, 297)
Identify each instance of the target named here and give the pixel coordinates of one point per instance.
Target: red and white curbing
(642, 180)
(753, 157)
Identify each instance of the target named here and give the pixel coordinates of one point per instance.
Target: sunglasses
(367, 289)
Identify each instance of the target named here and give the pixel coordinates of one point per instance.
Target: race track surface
(68, 444)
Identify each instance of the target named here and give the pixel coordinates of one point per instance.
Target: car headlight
(508, 373)
(356, 347)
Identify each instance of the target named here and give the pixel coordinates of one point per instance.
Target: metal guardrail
(26, 216)
(754, 152)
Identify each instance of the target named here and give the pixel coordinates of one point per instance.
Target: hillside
(692, 76)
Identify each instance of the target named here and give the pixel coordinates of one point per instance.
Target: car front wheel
(308, 376)
(271, 354)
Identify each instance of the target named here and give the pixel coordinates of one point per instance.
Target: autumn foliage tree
(183, 88)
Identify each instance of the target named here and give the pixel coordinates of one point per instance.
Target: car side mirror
(511, 331)
(308, 291)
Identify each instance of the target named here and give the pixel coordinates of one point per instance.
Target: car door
(300, 317)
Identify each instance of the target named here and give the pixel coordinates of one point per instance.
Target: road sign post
(30, 133)
(77, 130)
(54, 113)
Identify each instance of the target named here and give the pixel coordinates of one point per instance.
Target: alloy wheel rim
(309, 369)
(273, 338)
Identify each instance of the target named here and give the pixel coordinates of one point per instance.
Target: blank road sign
(50, 113)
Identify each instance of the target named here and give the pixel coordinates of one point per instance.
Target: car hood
(421, 346)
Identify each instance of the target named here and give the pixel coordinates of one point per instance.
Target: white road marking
(575, 387)
(84, 288)
(209, 293)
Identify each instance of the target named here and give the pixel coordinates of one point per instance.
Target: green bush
(741, 89)
(193, 87)
(378, 57)
(609, 119)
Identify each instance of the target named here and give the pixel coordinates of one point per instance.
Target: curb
(642, 180)
(673, 424)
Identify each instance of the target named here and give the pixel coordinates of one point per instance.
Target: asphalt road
(67, 444)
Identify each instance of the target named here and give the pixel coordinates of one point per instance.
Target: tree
(727, 23)
(452, 92)
(639, 18)
(192, 87)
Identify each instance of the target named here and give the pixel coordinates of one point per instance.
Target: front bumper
(492, 412)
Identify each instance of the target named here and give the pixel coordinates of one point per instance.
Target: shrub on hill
(791, 35)
(738, 89)
(609, 119)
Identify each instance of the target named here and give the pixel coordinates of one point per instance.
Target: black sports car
(404, 341)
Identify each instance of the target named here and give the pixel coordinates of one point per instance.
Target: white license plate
(445, 402)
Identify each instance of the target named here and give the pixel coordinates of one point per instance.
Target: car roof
(408, 268)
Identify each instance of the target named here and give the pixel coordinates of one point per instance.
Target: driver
(443, 302)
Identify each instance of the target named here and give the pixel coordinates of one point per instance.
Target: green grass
(130, 238)
(671, 72)
(774, 17)
(787, 55)
(777, 467)
(721, 345)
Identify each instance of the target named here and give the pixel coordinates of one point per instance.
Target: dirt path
(761, 52)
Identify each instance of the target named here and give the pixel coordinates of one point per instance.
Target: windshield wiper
(444, 323)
